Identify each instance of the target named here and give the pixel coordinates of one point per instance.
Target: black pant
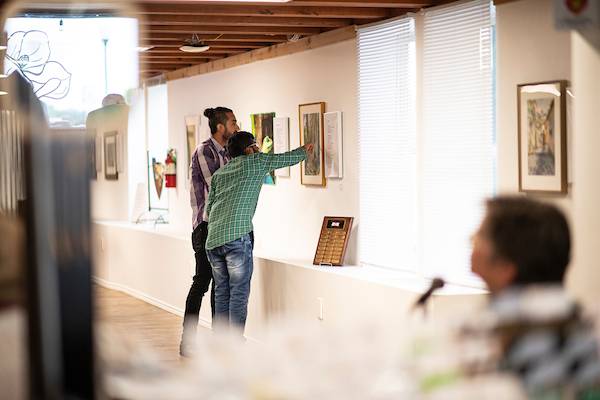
(201, 279)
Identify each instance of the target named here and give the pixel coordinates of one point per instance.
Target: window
(387, 143)
(72, 63)
(422, 194)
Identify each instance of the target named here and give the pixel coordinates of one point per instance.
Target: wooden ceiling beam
(163, 50)
(171, 67)
(251, 30)
(213, 44)
(324, 39)
(179, 37)
(263, 10)
(372, 3)
(243, 21)
(176, 61)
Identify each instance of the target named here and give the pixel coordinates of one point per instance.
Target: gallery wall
(110, 198)
(125, 198)
(584, 275)
(289, 215)
(529, 49)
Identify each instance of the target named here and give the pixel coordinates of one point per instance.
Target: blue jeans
(232, 270)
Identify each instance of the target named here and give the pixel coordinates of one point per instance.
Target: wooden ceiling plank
(251, 30)
(262, 10)
(162, 50)
(179, 37)
(373, 3)
(278, 50)
(244, 21)
(213, 44)
(172, 67)
(175, 62)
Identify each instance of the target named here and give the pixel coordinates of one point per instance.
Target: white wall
(529, 50)
(584, 277)
(110, 199)
(280, 290)
(289, 215)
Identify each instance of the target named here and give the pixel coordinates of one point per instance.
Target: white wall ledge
(403, 280)
(397, 279)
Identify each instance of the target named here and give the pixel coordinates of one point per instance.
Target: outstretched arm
(274, 161)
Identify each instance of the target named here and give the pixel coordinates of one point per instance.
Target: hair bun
(209, 113)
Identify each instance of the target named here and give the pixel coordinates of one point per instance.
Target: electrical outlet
(321, 303)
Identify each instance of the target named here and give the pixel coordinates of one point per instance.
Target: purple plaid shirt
(207, 158)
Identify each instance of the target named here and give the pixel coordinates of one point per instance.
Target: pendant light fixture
(194, 45)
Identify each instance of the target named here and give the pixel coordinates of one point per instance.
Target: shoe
(187, 349)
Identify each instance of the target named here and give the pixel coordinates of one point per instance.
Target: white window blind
(458, 158)
(422, 185)
(386, 109)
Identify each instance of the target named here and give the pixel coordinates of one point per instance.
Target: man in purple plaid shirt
(206, 160)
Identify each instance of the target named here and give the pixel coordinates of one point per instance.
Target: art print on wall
(192, 122)
(542, 137)
(333, 144)
(281, 137)
(110, 156)
(310, 117)
(92, 151)
(262, 129)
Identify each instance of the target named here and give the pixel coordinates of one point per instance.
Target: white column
(584, 276)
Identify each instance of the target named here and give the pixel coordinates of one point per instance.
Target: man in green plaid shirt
(231, 205)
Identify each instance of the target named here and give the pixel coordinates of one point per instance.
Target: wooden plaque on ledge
(333, 241)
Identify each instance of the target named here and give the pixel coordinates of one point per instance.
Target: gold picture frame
(310, 121)
(542, 136)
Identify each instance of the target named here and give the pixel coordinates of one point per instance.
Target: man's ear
(506, 273)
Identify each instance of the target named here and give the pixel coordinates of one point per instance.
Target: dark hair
(239, 142)
(531, 234)
(216, 116)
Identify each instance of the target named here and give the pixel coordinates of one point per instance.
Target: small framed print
(192, 123)
(333, 144)
(110, 156)
(333, 241)
(542, 136)
(310, 117)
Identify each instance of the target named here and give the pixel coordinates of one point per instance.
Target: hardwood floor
(150, 326)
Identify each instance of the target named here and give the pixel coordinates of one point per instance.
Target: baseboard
(146, 298)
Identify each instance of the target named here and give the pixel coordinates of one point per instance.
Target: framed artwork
(110, 156)
(281, 139)
(333, 144)
(156, 183)
(92, 159)
(262, 129)
(310, 118)
(542, 137)
(192, 122)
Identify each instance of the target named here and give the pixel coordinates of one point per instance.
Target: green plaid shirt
(234, 193)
